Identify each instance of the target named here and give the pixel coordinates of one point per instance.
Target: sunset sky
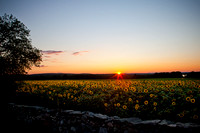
(106, 36)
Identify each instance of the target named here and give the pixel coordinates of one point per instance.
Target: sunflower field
(173, 99)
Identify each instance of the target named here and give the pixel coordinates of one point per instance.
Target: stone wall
(40, 119)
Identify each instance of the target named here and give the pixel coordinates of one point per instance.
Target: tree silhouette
(17, 55)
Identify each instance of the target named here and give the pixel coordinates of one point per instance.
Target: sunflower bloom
(129, 99)
(172, 90)
(106, 104)
(155, 104)
(91, 93)
(134, 90)
(75, 99)
(118, 104)
(192, 100)
(124, 107)
(84, 89)
(126, 89)
(146, 102)
(60, 95)
(145, 91)
(187, 99)
(195, 117)
(181, 115)
(173, 100)
(137, 106)
(173, 103)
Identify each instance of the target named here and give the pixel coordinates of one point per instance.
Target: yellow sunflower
(155, 104)
(124, 107)
(106, 104)
(129, 99)
(192, 100)
(181, 115)
(134, 90)
(145, 91)
(195, 117)
(173, 103)
(187, 99)
(151, 95)
(126, 89)
(146, 102)
(137, 106)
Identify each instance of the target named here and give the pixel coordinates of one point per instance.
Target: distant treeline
(111, 76)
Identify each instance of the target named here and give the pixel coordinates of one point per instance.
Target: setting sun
(118, 73)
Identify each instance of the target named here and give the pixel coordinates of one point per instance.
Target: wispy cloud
(42, 66)
(79, 53)
(50, 52)
(49, 55)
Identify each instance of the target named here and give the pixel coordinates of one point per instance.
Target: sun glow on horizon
(118, 73)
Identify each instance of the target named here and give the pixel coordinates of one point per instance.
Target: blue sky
(112, 35)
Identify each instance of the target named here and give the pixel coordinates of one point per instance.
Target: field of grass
(173, 99)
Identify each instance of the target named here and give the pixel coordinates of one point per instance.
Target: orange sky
(84, 63)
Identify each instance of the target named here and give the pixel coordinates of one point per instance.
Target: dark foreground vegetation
(38, 97)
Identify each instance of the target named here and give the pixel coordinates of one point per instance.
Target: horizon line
(115, 72)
